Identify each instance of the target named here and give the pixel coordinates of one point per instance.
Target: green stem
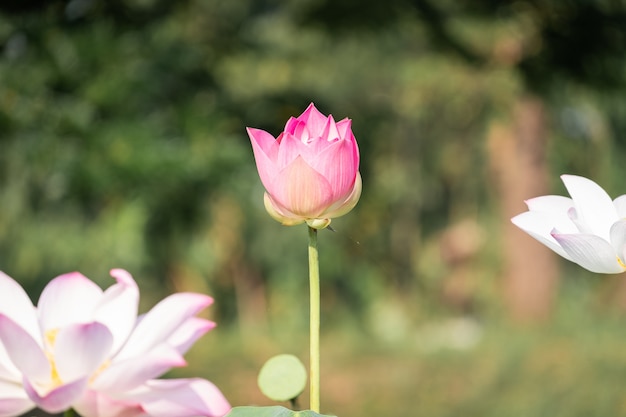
(314, 282)
(70, 413)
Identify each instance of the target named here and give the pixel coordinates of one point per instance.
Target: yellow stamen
(51, 337)
(101, 368)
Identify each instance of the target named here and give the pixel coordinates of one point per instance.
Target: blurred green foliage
(123, 144)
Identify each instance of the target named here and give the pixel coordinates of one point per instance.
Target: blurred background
(123, 144)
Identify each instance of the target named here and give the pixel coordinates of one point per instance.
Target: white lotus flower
(588, 229)
(87, 349)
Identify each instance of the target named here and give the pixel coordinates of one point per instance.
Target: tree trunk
(517, 153)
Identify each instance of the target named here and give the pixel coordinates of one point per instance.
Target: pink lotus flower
(588, 229)
(86, 349)
(311, 171)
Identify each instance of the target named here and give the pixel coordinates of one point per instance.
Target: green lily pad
(275, 411)
(282, 378)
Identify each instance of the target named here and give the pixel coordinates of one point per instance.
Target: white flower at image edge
(589, 228)
(85, 348)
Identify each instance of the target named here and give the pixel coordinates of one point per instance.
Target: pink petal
(265, 149)
(15, 303)
(315, 121)
(301, 132)
(125, 375)
(80, 349)
(59, 399)
(594, 207)
(69, 298)
(330, 132)
(97, 404)
(302, 190)
(182, 398)
(186, 335)
(13, 399)
(344, 127)
(24, 351)
(162, 321)
(117, 309)
(342, 207)
(336, 163)
(292, 125)
(290, 148)
(591, 252)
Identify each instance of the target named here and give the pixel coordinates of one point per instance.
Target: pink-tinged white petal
(24, 351)
(594, 207)
(188, 333)
(15, 303)
(59, 399)
(591, 252)
(620, 206)
(182, 398)
(13, 399)
(94, 404)
(69, 298)
(125, 375)
(541, 225)
(97, 404)
(80, 349)
(162, 321)
(303, 190)
(117, 309)
(8, 371)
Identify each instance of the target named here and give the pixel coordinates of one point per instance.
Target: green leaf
(282, 378)
(274, 411)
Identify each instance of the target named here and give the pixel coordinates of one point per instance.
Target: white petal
(117, 309)
(594, 207)
(128, 374)
(98, 404)
(8, 371)
(15, 303)
(182, 398)
(591, 252)
(556, 204)
(540, 226)
(58, 399)
(24, 351)
(80, 349)
(187, 334)
(13, 399)
(67, 299)
(162, 321)
(618, 239)
(620, 206)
